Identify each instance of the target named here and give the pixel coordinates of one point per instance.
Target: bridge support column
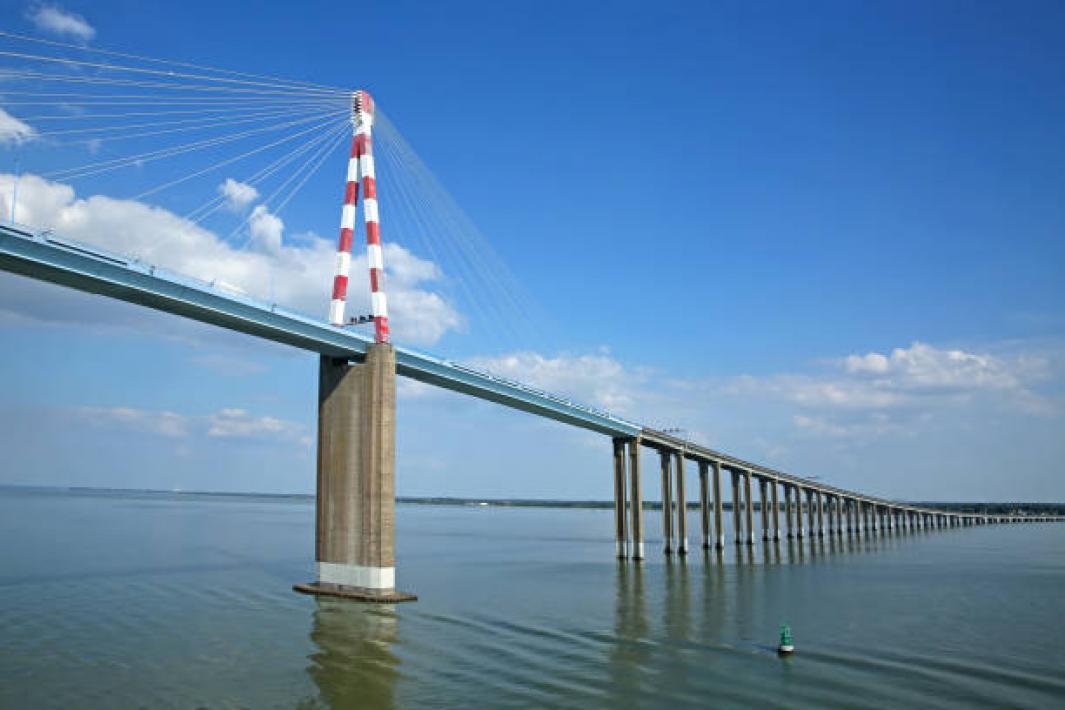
(704, 502)
(763, 495)
(355, 537)
(820, 513)
(719, 523)
(682, 506)
(800, 529)
(620, 534)
(737, 508)
(811, 511)
(636, 506)
(748, 505)
(775, 485)
(667, 502)
(788, 510)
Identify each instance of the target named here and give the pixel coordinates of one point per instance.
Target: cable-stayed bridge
(357, 403)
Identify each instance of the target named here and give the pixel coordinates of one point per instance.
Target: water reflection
(630, 629)
(678, 601)
(813, 548)
(353, 664)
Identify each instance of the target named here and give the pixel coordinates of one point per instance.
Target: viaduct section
(810, 509)
(355, 538)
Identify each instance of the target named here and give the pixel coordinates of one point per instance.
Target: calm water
(151, 600)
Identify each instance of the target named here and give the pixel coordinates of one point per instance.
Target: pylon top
(362, 108)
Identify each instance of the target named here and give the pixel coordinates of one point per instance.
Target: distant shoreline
(993, 508)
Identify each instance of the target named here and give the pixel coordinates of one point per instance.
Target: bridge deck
(46, 257)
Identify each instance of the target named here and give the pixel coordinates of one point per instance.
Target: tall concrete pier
(636, 505)
(719, 524)
(355, 536)
(704, 502)
(620, 523)
(681, 505)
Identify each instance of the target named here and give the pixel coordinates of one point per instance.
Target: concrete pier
(763, 495)
(748, 506)
(820, 513)
(704, 502)
(788, 511)
(719, 521)
(737, 508)
(800, 530)
(667, 502)
(776, 510)
(620, 536)
(681, 504)
(636, 506)
(811, 511)
(355, 506)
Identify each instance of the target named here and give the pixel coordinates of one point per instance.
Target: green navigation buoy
(785, 648)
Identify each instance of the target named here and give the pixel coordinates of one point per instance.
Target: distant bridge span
(46, 257)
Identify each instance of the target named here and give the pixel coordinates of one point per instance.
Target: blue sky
(827, 237)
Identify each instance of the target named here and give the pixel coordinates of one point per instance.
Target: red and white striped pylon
(361, 165)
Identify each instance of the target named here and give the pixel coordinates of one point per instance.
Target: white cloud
(859, 398)
(862, 426)
(813, 391)
(238, 195)
(54, 19)
(229, 423)
(239, 424)
(297, 275)
(265, 229)
(595, 379)
(13, 131)
(920, 375)
(922, 366)
(162, 423)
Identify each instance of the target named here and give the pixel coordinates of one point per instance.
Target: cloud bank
(294, 273)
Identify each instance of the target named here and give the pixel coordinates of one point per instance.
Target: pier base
(356, 526)
(358, 593)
